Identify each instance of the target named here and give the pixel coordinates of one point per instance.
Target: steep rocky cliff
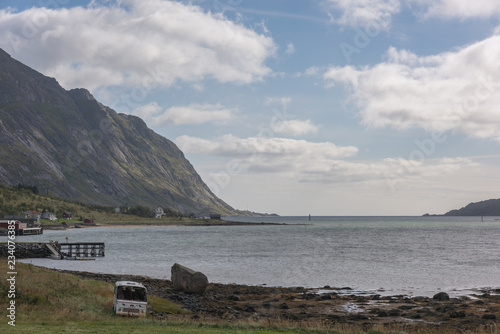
(67, 143)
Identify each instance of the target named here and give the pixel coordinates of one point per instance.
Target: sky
(321, 107)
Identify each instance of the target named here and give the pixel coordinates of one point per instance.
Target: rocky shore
(214, 222)
(26, 250)
(327, 307)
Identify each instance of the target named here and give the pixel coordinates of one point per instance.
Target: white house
(159, 212)
(49, 216)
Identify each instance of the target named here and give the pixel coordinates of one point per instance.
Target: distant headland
(490, 207)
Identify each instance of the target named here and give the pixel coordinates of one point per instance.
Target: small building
(34, 215)
(20, 227)
(25, 218)
(66, 215)
(159, 212)
(17, 224)
(88, 221)
(49, 215)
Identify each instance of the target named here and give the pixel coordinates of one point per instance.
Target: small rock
(284, 306)
(424, 310)
(358, 317)
(249, 308)
(441, 309)
(395, 313)
(489, 316)
(382, 314)
(457, 314)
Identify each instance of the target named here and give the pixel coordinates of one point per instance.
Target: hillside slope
(68, 144)
(489, 207)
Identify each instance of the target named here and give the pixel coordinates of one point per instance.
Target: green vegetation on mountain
(489, 207)
(68, 144)
(18, 199)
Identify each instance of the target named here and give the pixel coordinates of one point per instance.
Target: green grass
(134, 326)
(160, 305)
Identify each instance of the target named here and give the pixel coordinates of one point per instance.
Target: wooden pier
(78, 249)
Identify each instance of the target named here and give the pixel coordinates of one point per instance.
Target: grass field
(52, 302)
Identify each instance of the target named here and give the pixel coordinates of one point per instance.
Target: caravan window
(131, 293)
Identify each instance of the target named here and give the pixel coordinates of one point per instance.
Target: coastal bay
(415, 256)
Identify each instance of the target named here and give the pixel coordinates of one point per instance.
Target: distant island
(489, 207)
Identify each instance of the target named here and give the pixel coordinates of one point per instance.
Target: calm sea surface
(389, 255)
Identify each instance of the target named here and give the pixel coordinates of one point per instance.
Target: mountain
(69, 144)
(489, 207)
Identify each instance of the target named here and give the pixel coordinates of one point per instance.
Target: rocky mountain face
(489, 207)
(68, 144)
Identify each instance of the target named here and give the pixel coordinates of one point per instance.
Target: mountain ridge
(490, 207)
(68, 143)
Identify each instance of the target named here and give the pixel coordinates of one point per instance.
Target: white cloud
(457, 90)
(365, 12)
(395, 172)
(312, 71)
(283, 101)
(460, 8)
(179, 115)
(290, 49)
(145, 43)
(377, 14)
(271, 155)
(147, 111)
(320, 163)
(295, 127)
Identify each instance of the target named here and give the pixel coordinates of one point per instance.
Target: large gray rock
(188, 280)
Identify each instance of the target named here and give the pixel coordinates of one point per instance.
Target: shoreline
(167, 224)
(340, 290)
(180, 223)
(328, 305)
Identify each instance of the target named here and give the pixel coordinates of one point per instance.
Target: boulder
(441, 296)
(188, 280)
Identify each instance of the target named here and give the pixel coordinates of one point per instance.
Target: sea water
(386, 255)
